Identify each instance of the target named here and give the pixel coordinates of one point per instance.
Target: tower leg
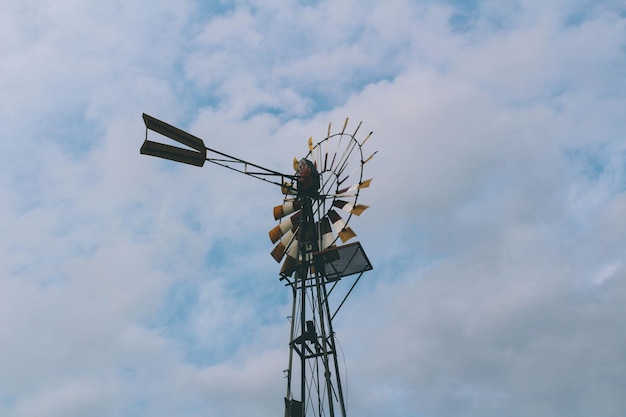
(312, 336)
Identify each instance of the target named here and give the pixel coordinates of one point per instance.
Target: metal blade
(349, 207)
(282, 228)
(345, 233)
(286, 209)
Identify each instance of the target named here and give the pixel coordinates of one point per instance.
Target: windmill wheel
(330, 176)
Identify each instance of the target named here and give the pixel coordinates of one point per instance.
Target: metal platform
(341, 261)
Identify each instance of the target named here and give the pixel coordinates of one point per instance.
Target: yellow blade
(295, 163)
(275, 234)
(311, 143)
(284, 227)
(358, 209)
(365, 140)
(286, 209)
(344, 126)
(286, 245)
(369, 158)
(278, 212)
(346, 234)
(287, 188)
(278, 252)
(365, 183)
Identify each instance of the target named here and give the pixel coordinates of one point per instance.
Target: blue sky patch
(591, 161)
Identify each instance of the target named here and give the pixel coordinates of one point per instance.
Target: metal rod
(331, 337)
(346, 297)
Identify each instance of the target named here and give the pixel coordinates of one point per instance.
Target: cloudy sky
(133, 286)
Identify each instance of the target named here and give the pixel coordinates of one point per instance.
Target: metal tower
(316, 267)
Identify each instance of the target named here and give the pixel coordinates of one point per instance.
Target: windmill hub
(308, 179)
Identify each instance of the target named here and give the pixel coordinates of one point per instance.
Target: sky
(135, 286)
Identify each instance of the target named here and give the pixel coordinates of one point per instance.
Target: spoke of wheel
(325, 185)
(345, 158)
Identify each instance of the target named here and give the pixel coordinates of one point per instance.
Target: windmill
(320, 199)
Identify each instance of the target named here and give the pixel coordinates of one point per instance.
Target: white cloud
(132, 286)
